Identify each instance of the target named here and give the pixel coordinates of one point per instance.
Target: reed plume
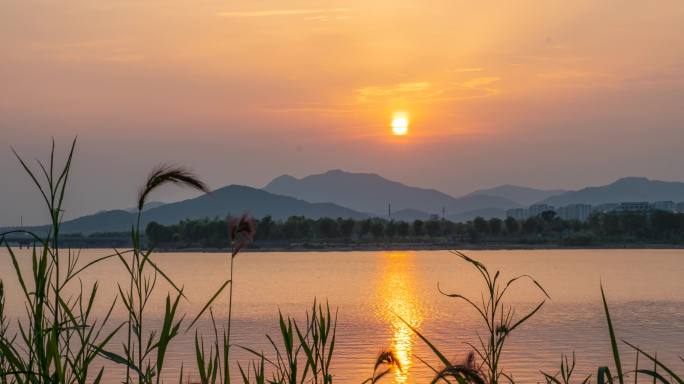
(169, 174)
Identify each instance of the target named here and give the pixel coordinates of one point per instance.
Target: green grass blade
(613, 341)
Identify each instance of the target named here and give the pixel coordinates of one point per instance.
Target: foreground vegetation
(58, 339)
(601, 228)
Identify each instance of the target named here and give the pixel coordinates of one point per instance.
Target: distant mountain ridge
(622, 190)
(232, 199)
(368, 192)
(521, 195)
(361, 195)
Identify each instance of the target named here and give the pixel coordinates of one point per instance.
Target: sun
(400, 124)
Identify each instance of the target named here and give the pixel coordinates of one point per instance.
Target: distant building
(668, 206)
(637, 206)
(579, 212)
(517, 213)
(537, 209)
(607, 207)
(680, 207)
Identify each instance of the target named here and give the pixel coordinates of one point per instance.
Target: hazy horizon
(547, 95)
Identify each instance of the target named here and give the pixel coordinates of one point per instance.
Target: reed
(58, 339)
(305, 351)
(565, 374)
(145, 350)
(385, 363)
(499, 320)
(215, 367)
(4, 326)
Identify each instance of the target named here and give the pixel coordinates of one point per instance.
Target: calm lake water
(645, 289)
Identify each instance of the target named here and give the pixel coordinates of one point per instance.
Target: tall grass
(58, 339)
(385, 363)
(304, 353)
(500, 321)
(145, 350)
(4, 326)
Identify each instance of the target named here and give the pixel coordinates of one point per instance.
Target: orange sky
(542, 93)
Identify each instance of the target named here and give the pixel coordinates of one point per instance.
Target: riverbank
(420, 247)
(366, 246)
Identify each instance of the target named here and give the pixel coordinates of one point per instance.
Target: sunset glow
(298, 87)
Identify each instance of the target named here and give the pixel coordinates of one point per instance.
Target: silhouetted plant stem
(230, 315)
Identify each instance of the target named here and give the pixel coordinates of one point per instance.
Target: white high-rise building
(634, 206)
(579, 212)
(680, 207)
(537, 209)
(606, 207)
(668, 206)
(517, 213)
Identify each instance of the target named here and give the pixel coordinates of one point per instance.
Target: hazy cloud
(418, 89)
(467, 70)
(281, 12)
(475, 88)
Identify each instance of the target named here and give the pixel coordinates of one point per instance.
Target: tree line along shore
(601, 230)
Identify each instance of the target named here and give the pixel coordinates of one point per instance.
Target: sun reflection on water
(397, 293)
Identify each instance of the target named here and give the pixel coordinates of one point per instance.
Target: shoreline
(380, 247)
(423, 247)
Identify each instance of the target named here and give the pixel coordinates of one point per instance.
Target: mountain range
(522, 195)
(625, 189)
(338, 193)
(232, 199)
(368, 192)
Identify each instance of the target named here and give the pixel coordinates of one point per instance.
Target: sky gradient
(552, 94)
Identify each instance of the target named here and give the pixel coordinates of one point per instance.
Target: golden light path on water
(398, 298)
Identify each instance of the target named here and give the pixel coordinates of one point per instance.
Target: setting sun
(400, 124)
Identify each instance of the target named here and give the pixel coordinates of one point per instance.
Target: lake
(645, 289)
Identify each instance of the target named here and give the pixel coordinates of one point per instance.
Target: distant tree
(264, 228)
(531, 225)
(473, 234)
(346, 227)
(512, 226)
(391, 229)
(403, 229)
(158, 234)
(666, 224)
(606, 227)
(418, 229)
(433, 228)
(449, 228)
(595, 222)
(635, 224)
(548, 215)
(366, 227)
(377, 229)
(297, 228)
(327, 228)
(461, 229)
(495, 226)
(481, 225)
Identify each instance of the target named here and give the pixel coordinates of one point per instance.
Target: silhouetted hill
(521, 195)
(625, 189)
(148, 206)
(367, 192)
(233, 199)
